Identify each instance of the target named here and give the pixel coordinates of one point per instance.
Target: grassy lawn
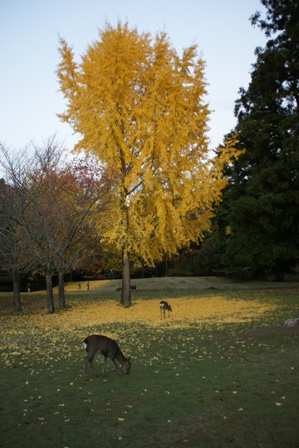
(220, 372)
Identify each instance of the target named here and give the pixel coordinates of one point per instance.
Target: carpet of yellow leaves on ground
(186, 311)
(42, 336)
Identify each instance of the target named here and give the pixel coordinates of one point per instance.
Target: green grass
(203, 386)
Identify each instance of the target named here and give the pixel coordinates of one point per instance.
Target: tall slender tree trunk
(49, 289)
(126, 284)
(61, 294)
(16, 291)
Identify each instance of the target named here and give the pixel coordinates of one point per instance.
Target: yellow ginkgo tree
(140, 109)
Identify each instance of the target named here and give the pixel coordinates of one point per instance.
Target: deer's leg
(116, 366)
(89, 359)
(104, 365)
(92, 366)
(84, 366)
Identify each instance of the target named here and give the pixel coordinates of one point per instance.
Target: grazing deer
(163, 307)
(108, 348)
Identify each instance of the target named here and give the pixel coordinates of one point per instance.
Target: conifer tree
(261, 202)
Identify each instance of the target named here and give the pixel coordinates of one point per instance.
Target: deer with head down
(108, 348)
(164, 306)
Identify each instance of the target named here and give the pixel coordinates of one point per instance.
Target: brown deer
(108, 348)
(164, 306)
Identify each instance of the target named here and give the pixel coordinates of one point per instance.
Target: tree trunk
(126, 285)
(49, 290)
(61, 294)
(16, 291)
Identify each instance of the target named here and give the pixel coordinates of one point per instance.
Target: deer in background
(164, 306)
(108, 348)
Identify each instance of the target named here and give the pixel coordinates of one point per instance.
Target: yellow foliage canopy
(140, 109)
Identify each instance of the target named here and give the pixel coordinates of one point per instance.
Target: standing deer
(108, 348)
(163, 307)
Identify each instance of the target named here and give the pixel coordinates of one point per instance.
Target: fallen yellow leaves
(186, 311)
(88, 317)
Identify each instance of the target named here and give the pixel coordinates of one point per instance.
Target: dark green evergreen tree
(260, 211)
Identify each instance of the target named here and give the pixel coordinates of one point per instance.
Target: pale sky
(30, 30)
